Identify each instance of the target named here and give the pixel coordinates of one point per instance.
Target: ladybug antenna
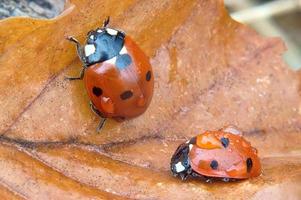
(106, 22)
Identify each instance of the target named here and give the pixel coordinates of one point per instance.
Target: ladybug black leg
(201, 177)
(194, 174)
(79, 48)
(101, 123)
(102, 120)
(209, 180)
(80, 54)
(225, 179)
(183, 176)
(106, 22)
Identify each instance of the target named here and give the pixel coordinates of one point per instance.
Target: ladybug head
(102, 44)
(180, 164)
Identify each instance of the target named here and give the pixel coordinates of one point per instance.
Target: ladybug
(117, 74)
(216, 155)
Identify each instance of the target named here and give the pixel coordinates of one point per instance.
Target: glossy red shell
(232, 159)
(114, 82)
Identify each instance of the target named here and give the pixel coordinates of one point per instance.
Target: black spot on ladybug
(123, 61)
(249, 163)
(127, 94)
(148, 76)
(225, 142)
(192, 140)
(214, 164)
(97, 91)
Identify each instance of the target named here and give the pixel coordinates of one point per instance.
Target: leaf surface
(210, 71)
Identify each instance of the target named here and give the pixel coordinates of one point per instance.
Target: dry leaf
(209, 71)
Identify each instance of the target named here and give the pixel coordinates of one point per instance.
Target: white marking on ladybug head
(179, 167)
(123, 50)
(99, 31)
(92, 37)
(111, 31)
(190, 147)
(89, 49)
(112, 60)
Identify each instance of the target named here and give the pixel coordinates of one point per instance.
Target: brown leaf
(210, 71)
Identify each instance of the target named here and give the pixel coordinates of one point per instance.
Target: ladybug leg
(209, 180)
(101, 124)
(106, 22)
(102, 119)
(225, 179)
(183, 176)
(203, 178)
(229, 179)
(79, 49)
(194, 174)
(93, 108)
(81, 56)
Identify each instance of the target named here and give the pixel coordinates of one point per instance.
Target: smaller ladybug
(117, 74)
(222, 155)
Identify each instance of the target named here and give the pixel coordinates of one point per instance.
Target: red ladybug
(117, 74)
(222, 154)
